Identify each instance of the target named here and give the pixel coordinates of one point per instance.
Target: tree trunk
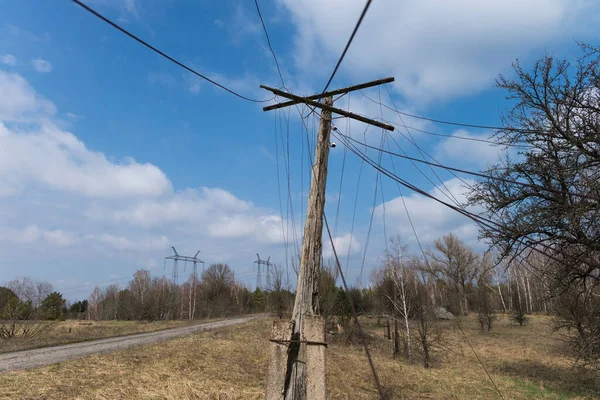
(499, 289)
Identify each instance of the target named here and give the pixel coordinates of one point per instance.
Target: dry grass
(80, 331)
(231, 364)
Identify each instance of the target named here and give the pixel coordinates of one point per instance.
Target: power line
(355, 315)
(339, 199)
(466, 125)
(377, 180)
(137, 39)
(358, 23)
(408, 214)
(427, 263)
(414, 142)
(283, 230)
(290, 205)
(483, 222)
(481, 175)
(441, 134)
(479, 360)
(269, 42)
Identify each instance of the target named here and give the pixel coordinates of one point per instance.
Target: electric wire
(269, 42)
(283, 230)
(478, 174)
(355, 315)
(141, 41)
(480, 220)
(354, 210)
(290, 205)
(353, 309)
(479, 359)
(410, 221)
(339, 199)
(414, 143)
(467, 125)
(358, 23)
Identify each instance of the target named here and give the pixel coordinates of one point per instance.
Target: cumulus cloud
(8, 59)
(468, 152)
(32, 234)
(344, 245)
(432, 220)
(41, 65)
(19, 101)
(77, 206)
(221, 214)
(123, 243)
(59, 160)
(434, 49)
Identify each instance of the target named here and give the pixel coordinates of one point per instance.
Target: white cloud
(19, 102)
(468, 152)
(344, 245)
(43, 153)
(60, 238)
(435, 49)
(74, 206)
(219, 212)
(74, 117)
(59, 160)
(131, 7)
(28, 235)
(33, 235)
(123, 243)
(8, 59)
(431, 219)
(41, 65)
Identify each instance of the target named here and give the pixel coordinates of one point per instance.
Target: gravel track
(50, 355)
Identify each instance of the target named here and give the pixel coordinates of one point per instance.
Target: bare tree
(20, 310)
(498, 279)
(547, 198)
(217, 282)
(110, 302)
(140, 288)
(556, 116)
(279, 291)
(401, 297)
(428, 332)
(455, 263)
(95, 304)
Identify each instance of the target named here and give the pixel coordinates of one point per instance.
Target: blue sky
(110, 154)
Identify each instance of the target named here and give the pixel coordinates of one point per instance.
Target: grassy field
(231, 363)
(78, 331)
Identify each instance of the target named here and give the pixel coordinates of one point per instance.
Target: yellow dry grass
(58, 332)
(231, 364)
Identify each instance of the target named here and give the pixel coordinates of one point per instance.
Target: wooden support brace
(333, 93)
(299, 99)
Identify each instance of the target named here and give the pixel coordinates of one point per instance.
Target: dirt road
(50, 355)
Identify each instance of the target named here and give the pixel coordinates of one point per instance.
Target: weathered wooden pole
(306, 302)
(297, 361)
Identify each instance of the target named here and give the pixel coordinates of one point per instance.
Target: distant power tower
(193, 280)
(267, 264)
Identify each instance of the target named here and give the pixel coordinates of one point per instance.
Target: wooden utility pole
(297, 361)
